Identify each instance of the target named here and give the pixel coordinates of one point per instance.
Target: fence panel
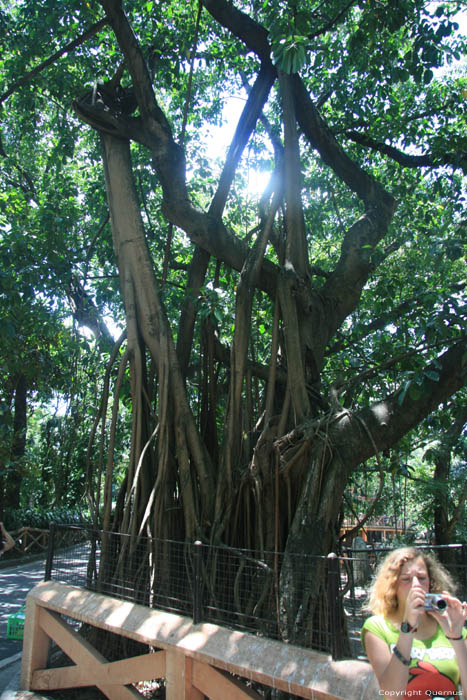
(243, 589)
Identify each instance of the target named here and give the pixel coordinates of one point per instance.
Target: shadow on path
(15, 583)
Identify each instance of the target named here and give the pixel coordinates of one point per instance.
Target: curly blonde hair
(382, 598)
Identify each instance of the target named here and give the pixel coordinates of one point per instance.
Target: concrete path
(9, 676)
(15, 583)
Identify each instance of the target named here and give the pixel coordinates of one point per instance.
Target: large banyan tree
(276, 345)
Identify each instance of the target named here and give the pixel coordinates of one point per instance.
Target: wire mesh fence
(266, 593)
(308, 600)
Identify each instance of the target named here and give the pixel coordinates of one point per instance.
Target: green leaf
(428, 76)
(402, 394)
(415, 392)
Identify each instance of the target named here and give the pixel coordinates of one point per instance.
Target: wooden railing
(196, 660)
(28, 537)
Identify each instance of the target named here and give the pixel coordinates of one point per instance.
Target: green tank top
(433, 670)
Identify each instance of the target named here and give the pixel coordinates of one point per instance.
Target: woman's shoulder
(377, 620)
(378, 625)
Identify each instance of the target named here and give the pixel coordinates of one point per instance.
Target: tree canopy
(272, 342)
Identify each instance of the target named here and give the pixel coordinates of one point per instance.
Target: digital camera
(434, 601)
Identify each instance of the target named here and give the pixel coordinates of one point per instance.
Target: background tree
(447, 454)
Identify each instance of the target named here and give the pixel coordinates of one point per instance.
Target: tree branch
(296, 253)
(320, 136)
(332, 22)
(392, 418)
(382, 321)
(242, 26)
(58, 54)
(342, 291)
(457, 160)
(153, 130)
(256, 100)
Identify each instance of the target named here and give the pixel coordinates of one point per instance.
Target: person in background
(415, 651)
(6, 540)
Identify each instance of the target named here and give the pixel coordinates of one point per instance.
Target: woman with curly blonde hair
(415, 650)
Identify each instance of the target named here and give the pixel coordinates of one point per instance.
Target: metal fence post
(464, 568)
(334, 611)
(50, 552)
(197, 582)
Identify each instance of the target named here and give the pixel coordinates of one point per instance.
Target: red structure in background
(380, 531)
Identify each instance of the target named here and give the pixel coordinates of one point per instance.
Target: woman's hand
(452, 619)
(414, 603)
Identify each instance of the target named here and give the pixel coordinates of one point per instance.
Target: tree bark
(148, 324)
(446, 513)
(18, 445)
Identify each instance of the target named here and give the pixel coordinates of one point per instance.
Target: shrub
(15, 518)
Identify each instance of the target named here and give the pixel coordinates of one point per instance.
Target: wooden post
(35, 644)
(191, 693)
(178, 677)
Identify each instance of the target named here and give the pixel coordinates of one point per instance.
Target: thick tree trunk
(446, 512)
(179, 448)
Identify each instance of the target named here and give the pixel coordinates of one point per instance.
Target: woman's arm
(9, 541)
(452, 623)
(392, 674)
(460, 647)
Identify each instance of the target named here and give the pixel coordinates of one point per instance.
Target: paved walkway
(10, 671)
(9, 676)
(15, 583)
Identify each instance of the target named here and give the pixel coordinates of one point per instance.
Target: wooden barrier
(195, 660)
(28, 537)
